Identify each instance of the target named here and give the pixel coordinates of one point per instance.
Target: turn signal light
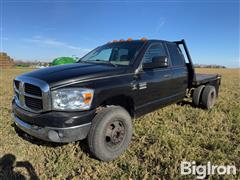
(128, 39)
(143, 39)
(87, 98)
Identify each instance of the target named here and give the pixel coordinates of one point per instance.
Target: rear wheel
(110, 133)
(196, 98)
(208, 96)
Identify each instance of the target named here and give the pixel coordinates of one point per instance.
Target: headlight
(72, 99)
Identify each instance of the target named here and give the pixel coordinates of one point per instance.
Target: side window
(175, 54)
(104, 55)
(183, 53)
(122, 55)
(154, 50)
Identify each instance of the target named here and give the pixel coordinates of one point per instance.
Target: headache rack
(190, 66)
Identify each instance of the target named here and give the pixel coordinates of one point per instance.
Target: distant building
(6, 61)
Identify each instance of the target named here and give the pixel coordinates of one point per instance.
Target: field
(161, 140)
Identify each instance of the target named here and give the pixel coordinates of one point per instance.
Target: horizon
(43, 31)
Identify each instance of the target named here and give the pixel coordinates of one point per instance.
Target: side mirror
(157, 62)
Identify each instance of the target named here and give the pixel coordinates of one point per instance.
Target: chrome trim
(21, 123)
(91, 79)
(15, 88)
(32, 96)
(46, 95)
(21, 94)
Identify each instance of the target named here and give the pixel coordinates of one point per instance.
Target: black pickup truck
(97, 97)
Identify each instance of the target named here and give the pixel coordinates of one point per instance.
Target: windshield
(120, 53)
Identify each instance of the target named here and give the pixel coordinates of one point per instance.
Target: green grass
(161, 139)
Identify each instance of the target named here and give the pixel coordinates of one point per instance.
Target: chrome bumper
(52, 134)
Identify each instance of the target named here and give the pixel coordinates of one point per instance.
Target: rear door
(179, 73)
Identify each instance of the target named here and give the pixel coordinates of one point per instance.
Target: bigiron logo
(201, 171)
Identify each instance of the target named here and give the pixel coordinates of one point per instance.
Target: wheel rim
(212, 98)
(115, 134)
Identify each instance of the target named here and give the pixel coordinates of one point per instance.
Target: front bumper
(54, 126)
(53, 134)
(58, 119)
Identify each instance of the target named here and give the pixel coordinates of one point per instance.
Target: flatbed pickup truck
(97, 97)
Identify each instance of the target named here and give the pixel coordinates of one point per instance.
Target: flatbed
(205, 78)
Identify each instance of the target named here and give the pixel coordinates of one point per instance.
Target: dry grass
(161, 140)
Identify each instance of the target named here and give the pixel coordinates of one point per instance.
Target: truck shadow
(7, 165)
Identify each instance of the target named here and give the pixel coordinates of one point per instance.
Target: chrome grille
(32, 94)
(31, 89)
(35, 104)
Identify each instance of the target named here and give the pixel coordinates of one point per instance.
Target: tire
(110, 133)
(196, 99)
(208, 97)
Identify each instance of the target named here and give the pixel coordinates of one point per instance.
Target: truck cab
(97, 97)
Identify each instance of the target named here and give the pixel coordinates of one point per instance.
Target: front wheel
(110, 133)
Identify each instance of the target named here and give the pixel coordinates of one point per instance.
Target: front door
(153, 84)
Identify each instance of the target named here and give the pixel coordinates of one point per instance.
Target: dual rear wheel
(204, 96)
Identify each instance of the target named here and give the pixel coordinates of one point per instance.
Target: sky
(43, 30)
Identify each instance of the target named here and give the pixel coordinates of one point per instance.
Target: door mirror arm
(137, 71)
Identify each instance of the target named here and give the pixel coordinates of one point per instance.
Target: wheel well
(121, 100)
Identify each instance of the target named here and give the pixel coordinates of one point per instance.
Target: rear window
(175, 54)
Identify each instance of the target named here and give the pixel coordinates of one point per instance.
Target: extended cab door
(154, 83)
(179, 72)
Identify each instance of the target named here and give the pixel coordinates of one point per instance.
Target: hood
(74, 72)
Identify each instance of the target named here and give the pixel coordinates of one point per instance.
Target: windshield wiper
(99, 61)
(109, 62)
(81, 61)
(106, 62)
